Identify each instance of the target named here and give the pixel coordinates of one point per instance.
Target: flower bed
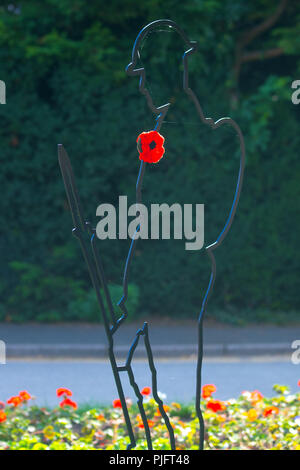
(248, 422)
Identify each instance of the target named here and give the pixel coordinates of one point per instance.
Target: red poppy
(146, 391)
(215, 405)
(269, 410)
(63, 391)
(207, 390)
(24, 395)
(2, 417)
(16, 401)
(150, 146)
(150, 424)
(68, 402)
(298, 383)
(117, 403)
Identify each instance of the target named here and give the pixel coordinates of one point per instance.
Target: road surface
(92, 382)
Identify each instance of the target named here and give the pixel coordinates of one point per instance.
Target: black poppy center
(152, 145)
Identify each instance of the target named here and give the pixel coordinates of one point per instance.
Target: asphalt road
(92, 381)
(168, 339)
(164, 331)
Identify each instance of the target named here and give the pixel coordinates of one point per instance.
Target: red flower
(298, 383)
(117, 403)
(150, 424)
(68, 402)
(24, 395)
(2, 416)
(207, 390)
(150, 146)
(16, 401)
(63, 391)
(269, 410)
(215, 405)
(146, 391)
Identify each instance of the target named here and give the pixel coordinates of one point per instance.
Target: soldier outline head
(131, 69)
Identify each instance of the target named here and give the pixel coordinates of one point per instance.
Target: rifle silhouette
(87, 238)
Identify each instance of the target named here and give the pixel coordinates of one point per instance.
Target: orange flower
(2, 417)
(68, 402)
(176, 405)
(63, 391)
(182, 423)
(101, 417)
(24, 395)
(207, 390)
(141, 425)
(99, 435)
(252, 414)
(298, 383)
(215, 405)
(146, 391)
(221, 418)
(269, 410)
(165, 407)
(16, 401)
(117, 403)
(256, 396)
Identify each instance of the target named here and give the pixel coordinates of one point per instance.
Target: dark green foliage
(63, 63)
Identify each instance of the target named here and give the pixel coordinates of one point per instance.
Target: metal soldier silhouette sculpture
(150, 147)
